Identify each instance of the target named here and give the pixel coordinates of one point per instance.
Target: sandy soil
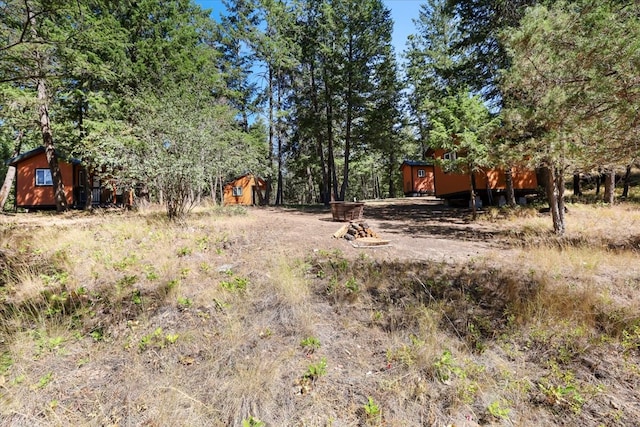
(416, 228)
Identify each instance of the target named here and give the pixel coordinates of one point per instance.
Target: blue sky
(402, 12)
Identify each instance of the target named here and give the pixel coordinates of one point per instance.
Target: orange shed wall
(246, 182)
(406, 179)
(451, 183)
(28, 194)
(412, 183)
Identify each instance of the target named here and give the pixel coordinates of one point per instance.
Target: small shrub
(183, 251)
(157, 339)
(252, 422)
(310, 344)
(497, 410)
(185, 302)
(236, 284)
(316, 370)
(372, 410)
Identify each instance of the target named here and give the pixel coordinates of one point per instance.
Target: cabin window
(43, 177)
(421, 173)
(451, 155)
(237, 191)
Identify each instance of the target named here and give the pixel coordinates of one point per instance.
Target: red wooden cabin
(489, 183)
(417, 178)
(245, 190)
(34, 187)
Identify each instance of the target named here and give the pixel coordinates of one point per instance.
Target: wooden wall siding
(30, 195)
(412, 183)
(247, 182)
(494, 179)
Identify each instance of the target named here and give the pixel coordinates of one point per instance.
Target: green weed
(310, 344)
(125, 262)
(252, 422)
(44, 380)
(185, 302)
(316, 370)
(352, 285)
(372, 410)
(498, 409)
(183, 251)
(236, 284)
(5, 362)
(445, 367)
(157, 340)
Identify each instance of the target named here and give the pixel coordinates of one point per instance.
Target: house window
(237, 191)
(421, 173)
(43, 177)
(451, 155)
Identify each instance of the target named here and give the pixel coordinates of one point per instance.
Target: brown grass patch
(129, 319)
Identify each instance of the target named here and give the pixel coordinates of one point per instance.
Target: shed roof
(260, 180)
(31, 153)
(416, 163)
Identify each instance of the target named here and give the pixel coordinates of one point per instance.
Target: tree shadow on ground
(414, 217)
(430, 218)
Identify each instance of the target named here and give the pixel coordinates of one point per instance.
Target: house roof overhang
(259, 180)
(31, 153)
(416, 163)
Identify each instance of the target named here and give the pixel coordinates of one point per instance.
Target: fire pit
(347, 211)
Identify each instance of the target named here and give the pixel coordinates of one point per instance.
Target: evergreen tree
(433, 59)
(463, 126)
(573, 90)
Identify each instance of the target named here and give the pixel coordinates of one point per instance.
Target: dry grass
(130, 320)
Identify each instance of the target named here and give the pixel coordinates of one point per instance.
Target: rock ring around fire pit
(360, 235)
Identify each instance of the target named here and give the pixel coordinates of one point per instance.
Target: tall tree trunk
(423, 132)
(279, 190)
(213, 184)
(88, 188)
(324, 192)
(627, 179)
(472, 191)
(577, 187)
(222, 190)
(329, 112)
(271, 133)
(555, 196)
(11, 173)
(511, 194)
(392, 169)
(45, 127)
(311, 191)
(609, 186)
(348, 125)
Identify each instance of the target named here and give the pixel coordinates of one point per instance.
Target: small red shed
(247, 190)
(417, 177)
